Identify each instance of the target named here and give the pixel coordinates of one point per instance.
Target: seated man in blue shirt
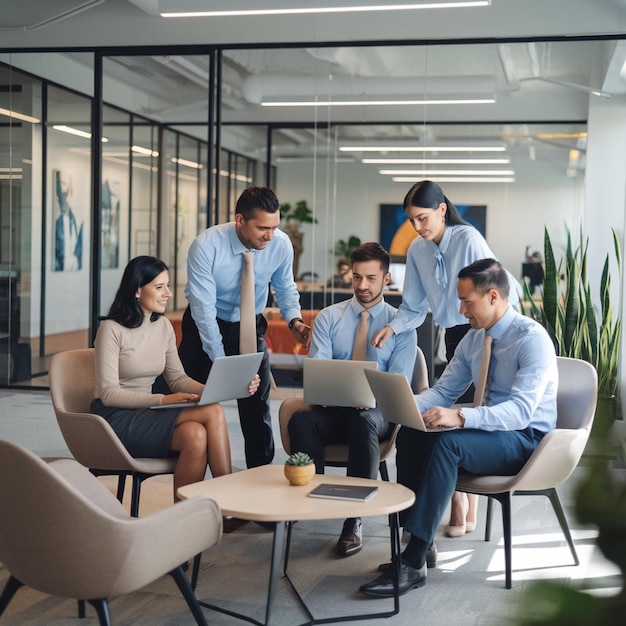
(313, 427)
(495, 438)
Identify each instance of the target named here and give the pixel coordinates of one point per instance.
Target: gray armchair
(554, 460)
(65, 534)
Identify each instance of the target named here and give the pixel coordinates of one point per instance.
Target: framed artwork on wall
(68, 226)
(397, 233)
(111, 195)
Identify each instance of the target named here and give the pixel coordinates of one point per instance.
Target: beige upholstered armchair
(89, 437)
(63, 533)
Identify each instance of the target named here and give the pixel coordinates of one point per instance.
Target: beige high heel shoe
(459, 531)
(472, 498)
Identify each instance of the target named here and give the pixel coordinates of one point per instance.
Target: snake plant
(578, 328)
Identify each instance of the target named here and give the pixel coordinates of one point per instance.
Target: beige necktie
(479, 394)
(360, 338)
(247, 315)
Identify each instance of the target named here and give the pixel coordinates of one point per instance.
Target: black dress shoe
(351, 539)
(382, 587)
(431, 559)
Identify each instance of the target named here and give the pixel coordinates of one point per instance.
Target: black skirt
(144, 432)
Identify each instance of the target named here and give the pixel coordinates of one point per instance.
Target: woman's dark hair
(371, 251)
(429, 195)
(140, 271)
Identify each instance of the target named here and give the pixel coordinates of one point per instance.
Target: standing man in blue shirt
(497, 437)
(313, 427)
(210, 323)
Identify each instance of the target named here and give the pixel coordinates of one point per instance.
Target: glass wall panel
(187, 166)
(114, 211)
(144, 201)
(20, 223)
(354, 127)
(68, 221)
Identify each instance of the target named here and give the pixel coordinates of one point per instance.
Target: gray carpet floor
(467, 587)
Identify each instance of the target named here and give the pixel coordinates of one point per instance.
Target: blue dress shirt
(522, 382)
(335, 327)
(431, 277)
(213, 288)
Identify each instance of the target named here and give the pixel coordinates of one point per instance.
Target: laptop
(396, 400)
(334, 382)
(228, 379)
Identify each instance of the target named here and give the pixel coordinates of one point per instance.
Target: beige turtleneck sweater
(128, 360)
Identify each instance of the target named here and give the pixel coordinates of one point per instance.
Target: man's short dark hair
(487, 274)
(252, 198)
(371, 251)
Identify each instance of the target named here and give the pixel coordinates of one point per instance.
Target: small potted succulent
(299, 468)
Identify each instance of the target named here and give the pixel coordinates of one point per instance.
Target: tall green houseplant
(568, 314)
(293, 216)
(577, 328)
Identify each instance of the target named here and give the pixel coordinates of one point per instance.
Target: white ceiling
(536, 83)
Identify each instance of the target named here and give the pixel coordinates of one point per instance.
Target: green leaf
(575, 325)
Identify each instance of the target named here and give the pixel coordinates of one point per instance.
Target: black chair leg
(384, 472)
(121, 484)
(505, 501)
(185, 588)
(134, 499)
(488, 518)
(195, 571)
(560, 514)
(13, 584)
(102, 611)
(81, 609)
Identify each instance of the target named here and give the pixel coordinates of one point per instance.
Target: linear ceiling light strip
(347, 7)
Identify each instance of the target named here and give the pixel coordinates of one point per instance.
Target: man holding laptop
(342, 332)
(216, 265)
(497, 435)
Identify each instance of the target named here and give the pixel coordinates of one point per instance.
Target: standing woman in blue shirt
(446, 244)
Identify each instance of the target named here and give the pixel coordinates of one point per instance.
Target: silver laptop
(333, 382)
(228, 379)
(396, 401)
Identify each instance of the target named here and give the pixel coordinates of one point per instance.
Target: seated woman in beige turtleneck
(134, 345)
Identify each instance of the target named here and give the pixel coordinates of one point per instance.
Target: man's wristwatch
(461, 417)
(293, 321)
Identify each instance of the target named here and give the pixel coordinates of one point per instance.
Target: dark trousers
(313, 428)
(429, 463)
(453, 336)
(254, 412)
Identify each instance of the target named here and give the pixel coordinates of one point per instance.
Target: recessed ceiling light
(454, 179)
(186, 163)
(75, 131)
(422, 148)
(436, 161)
(427, 173)
(486, 99)
(198, 8)
(19, 116)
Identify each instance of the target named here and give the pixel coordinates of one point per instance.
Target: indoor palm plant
(578, 328)
(568, 314)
